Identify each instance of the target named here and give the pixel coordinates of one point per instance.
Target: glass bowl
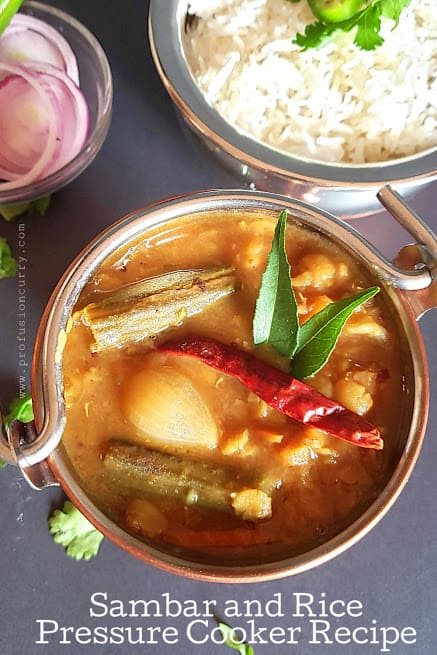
(96, 86)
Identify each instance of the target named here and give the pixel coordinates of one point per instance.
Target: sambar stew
(184, 455)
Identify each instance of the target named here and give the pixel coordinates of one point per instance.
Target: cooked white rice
(334, 104)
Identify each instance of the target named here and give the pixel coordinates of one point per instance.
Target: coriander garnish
(342, 18)
(228, 633)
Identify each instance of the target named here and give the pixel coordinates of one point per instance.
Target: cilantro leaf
(367, 21)
(8, 265)
(22, 409)
(228, 634)
(9, 212)
(72, 530)
(393, 9)
(367, 36)
(316, 35)
(40, 205)
(275, 321)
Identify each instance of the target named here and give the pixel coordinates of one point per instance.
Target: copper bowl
(37, 448)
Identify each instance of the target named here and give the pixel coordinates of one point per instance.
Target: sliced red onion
(5, 174)
(71, 111)
(41, 104)
(44, 116)
(28, 131)
(30, 39)
(23, 124)
(16, 46)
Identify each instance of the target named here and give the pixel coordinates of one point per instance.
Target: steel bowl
(346, 190)
(410, 290)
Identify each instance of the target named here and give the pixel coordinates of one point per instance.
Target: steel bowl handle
(420, 258)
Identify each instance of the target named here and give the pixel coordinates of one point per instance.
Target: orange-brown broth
(324, 482)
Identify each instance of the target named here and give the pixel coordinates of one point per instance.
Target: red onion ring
(60, 50)
(23, 125)
(44, 116)
(72, 110)
(47, 153)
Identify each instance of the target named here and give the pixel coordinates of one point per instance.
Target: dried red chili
(281, 391)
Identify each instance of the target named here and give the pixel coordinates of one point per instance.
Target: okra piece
(145, 308)
(142, 470)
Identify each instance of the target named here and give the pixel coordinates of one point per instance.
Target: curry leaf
(275, 321)
(229, 634)
(318, 336)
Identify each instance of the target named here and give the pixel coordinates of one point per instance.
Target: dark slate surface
(393, 571)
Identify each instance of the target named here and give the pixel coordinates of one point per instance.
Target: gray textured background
(146, 157)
